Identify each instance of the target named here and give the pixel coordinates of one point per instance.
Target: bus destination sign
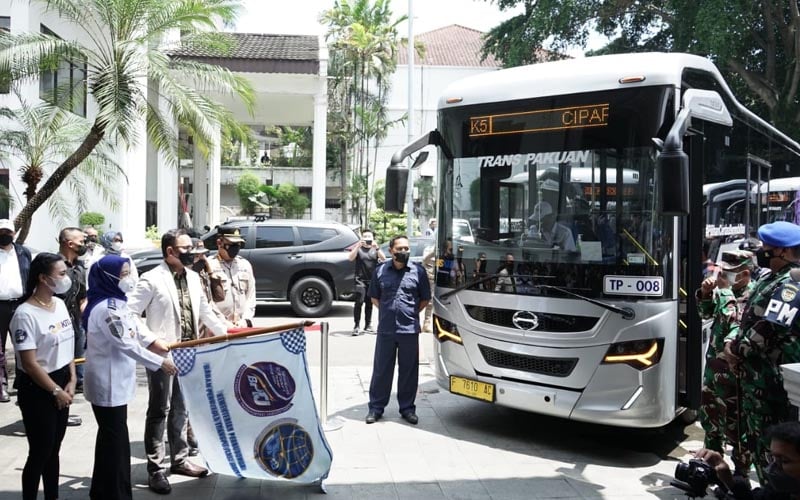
(545, 120)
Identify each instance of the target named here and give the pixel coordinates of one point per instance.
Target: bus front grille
(554, 367)
(548, 322)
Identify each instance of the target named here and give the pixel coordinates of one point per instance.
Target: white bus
(620, 148)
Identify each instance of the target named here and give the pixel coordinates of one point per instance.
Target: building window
(5, 80)
(65, 86)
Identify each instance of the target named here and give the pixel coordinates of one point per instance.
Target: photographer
(782, 473)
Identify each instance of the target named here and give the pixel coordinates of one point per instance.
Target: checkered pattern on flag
(252, 408)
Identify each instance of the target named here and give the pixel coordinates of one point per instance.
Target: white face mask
(127, 284)
(116, 246)
(61, 286)
(731, 277)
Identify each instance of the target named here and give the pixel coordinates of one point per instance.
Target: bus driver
(545, 228)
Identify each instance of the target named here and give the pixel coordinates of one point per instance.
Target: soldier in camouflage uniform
(723, 298)
(766, 340)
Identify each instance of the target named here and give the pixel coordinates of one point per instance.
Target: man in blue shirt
(400, 290)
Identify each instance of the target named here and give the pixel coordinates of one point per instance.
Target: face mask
(368, 243)
(61, 286)
(780, 481)
(763, 257)
(116, 246)
(731, 278)
(186, 258)
(233, 250)
(127, 284)
(6, 239)
(198, 266)
(91, 239)
(81, 250)
(402, 257)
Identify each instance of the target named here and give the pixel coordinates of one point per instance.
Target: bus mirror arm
(432, 138)
(397, 173)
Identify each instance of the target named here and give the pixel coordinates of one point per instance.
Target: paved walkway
(460, 449)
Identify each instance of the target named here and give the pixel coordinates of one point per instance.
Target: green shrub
(93, 219)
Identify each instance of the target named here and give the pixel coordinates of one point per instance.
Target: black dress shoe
(193, 452)
(410, 417)
(372, 417)
(4, 397)
(158, 483)
(189, 469)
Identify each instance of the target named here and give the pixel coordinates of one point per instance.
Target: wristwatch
(56, 390)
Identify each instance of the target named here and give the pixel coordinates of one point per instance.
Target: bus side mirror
(396, 185)
(673, 181)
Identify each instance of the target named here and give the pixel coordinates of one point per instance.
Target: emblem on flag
(284, 449)
(264, 388)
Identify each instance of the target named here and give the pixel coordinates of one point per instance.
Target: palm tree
(364, 41)
(40, 138)
(122, 45)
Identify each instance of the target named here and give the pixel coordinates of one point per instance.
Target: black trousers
(45, 426)
(111, 477)
(7, 308)
(362, 299)
(405, 348)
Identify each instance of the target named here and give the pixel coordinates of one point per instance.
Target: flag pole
(246, 332)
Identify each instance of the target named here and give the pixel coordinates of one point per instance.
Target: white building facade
(288, 74)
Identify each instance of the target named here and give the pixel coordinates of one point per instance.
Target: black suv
(302, 261)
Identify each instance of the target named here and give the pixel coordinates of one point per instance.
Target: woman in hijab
(115, 343)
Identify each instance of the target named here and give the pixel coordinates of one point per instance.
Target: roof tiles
(453, 45)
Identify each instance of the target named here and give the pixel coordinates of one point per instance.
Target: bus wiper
(625, 312)
(478, 281)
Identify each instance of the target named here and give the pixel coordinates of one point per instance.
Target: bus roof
(781, 184)
(592, 74)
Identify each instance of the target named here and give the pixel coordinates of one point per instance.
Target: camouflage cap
(735, 259)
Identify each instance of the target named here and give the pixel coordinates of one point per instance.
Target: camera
(694, 477)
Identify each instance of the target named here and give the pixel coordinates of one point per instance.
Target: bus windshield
(557, 191)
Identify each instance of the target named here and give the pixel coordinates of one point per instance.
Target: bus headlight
(445, 330)
(639, 354)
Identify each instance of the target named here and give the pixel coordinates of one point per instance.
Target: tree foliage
(247, 188)
(131, 74)
(755, 43)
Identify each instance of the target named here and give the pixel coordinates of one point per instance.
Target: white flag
(251, 407)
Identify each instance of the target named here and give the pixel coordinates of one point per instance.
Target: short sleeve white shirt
(49, 333)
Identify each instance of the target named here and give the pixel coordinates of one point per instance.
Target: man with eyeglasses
(236, 275)
(782, 474)
(172, 297)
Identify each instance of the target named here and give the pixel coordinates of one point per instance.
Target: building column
(199, 189)
(214, 170)
(133, 203)
(318, 169)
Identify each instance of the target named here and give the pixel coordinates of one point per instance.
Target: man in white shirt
(15, 263)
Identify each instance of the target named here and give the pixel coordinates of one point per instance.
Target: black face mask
(763, 257)
(402, 257)
(91, 239)
(186, 258)
(780, 481)
(198, 266)
(233, 250)
(6, 239)
(81, 250)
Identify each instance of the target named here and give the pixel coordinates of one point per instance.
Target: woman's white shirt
(50, 333)
(114, 345)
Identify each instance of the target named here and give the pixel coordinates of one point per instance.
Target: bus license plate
(472, 388)
(651, 286)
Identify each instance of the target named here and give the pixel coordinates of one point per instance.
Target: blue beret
(780, 234)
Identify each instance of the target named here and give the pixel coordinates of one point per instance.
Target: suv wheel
(311, 297)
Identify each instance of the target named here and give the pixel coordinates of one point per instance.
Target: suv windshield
(563, 206)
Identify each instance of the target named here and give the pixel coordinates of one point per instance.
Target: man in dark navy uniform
(400, 290)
